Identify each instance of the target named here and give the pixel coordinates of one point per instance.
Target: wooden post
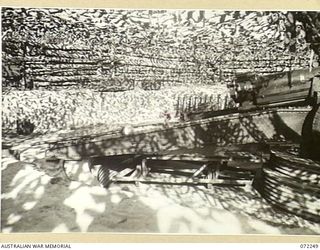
(213, 174)
(210, 177)
(137, 173)
(144, 168)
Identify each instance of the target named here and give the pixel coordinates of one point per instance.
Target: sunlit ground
(32, 203)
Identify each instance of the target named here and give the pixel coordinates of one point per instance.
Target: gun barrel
(290, 87)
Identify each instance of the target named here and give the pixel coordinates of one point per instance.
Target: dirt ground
(32, 202)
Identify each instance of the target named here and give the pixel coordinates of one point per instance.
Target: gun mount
(278, 111)
(288, 89)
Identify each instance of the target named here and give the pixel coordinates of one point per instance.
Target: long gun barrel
(287, 88)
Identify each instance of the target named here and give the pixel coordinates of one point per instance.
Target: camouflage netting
(65, 58)
(53, 110)
(119, 49)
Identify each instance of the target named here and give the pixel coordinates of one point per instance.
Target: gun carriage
(273, 135)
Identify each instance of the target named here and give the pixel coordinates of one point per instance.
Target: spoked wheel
(104, 176)
(107, 168)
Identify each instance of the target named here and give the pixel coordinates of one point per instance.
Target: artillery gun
(289, 180)
(288, 106)
(295, 89)
(275, 131)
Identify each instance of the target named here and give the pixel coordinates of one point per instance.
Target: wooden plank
(200, 170)
(296, 211)
(181, 181)
(173, 164)
(304, 204)
(235, 175)
(300, 176)
(290, 191)
(124, 172)
(283, 159)
(172, 172)
(187, 157)
(243, 162)
(244, 165)
(298, 202)
(288, 181)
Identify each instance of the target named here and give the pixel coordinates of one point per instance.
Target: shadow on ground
(33, 202)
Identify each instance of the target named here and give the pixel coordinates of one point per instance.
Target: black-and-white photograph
(175, 121)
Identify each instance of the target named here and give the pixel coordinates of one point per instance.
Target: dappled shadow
(289, 126)
(26, 205)
(33, 202)
(10, 139)
(310, 145)
(291, 184)
(229, 210)
(62, 205)
(251, 127)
